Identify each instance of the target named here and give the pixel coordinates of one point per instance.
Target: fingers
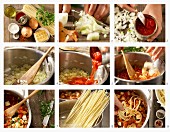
(102, 10)
(156, 52)
(64, 8)
(97, 10)
(127, 7)
(118, 103)
(119, 48)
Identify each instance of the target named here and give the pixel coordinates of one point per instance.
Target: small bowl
(160, 114)
(10, 28)
(44, 30)
(145, 37)
(158, 123)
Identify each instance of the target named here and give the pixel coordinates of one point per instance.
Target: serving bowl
(138, 59)
(71, 59)
(22, 55)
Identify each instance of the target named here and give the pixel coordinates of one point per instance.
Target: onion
(26, 32)
(33, 23)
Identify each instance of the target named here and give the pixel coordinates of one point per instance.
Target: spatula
(130, 70)
(141, 17)
(28, 77)
(12, 110)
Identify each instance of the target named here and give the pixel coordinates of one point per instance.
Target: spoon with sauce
(129, 68)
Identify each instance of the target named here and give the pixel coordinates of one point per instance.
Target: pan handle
(149, 99)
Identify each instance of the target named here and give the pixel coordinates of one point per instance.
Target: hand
(128, 7)
(64, 8)
(119, 48)
(97, 10)
(118, 103)
(156, 52)
(154, 10)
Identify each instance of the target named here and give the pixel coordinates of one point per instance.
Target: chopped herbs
(52, 126)
(45, 17)
(45, 108)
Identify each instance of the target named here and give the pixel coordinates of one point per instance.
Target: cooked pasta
(134, 113)
(88, 109)
(161, 96)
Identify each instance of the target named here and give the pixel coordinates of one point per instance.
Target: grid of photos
(105, 67)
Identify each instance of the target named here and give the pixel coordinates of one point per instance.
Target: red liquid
(96, 62)
(149, 26)
(124, 75)
(18, 15)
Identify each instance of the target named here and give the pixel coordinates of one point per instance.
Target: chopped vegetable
(87, 24)
(93, 36)
(63, 18)
(45, 17)
(45, 108)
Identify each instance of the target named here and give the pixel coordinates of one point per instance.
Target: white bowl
(158, 98)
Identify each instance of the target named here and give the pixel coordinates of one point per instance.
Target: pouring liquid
(96, 62)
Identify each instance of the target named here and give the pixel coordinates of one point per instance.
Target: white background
(111, 44)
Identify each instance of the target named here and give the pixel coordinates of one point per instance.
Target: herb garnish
(45, 108)
(45, 17)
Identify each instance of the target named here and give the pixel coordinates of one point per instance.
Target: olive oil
(10, 12)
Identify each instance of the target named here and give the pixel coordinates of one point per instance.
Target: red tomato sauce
(124, 75)
(96, 62)
(149, 26)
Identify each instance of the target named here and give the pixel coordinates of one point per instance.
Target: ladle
(28, 77)
(129, 68)
(12, 110)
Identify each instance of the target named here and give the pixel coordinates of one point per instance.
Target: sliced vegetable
(93, 36)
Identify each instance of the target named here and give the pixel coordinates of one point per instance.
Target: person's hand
(156, 52)
(97, 10)
(64, 8)
(119, 49)
(154, 10)
(128, 7)
(118, 103)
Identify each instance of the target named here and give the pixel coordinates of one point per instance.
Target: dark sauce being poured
(148, 28)
(96, 62)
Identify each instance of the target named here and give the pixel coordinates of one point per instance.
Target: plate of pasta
(160, 95)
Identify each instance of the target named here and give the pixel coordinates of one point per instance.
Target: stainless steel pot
(21, 55)
(138, 58)
(22, 95)
(64, 110)
(70, 59)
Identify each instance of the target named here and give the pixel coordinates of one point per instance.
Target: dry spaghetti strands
(88, 109)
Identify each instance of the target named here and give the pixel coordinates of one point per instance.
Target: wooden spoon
(12, 110)
(28, 77)
(130, 70)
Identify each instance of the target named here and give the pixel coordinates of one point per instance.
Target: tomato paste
(148, 28)
(96, 62)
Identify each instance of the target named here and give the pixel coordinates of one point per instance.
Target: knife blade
(47, 117)
(141, 17)
(76, 13)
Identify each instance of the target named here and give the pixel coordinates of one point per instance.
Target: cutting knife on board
(76, 15)
(47, 117)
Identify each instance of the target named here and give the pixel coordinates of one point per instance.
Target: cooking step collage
(98, 65)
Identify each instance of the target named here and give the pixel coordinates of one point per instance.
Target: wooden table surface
(34, 101)
(8, 36)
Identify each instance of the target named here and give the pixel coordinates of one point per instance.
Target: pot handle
(149, 99)
(117, 80)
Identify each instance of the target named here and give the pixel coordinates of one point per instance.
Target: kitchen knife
(47, 117)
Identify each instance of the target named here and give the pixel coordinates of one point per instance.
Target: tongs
(98, 22)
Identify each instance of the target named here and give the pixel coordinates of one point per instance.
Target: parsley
(45, 108)
(45, 17)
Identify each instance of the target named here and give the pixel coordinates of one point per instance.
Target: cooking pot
(147, 96)
(22, 94)
(71, 59)
(21, 55)
(138, 59)
(64, 110)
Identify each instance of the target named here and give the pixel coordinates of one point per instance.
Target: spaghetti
(134, 113)
(88, 109)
